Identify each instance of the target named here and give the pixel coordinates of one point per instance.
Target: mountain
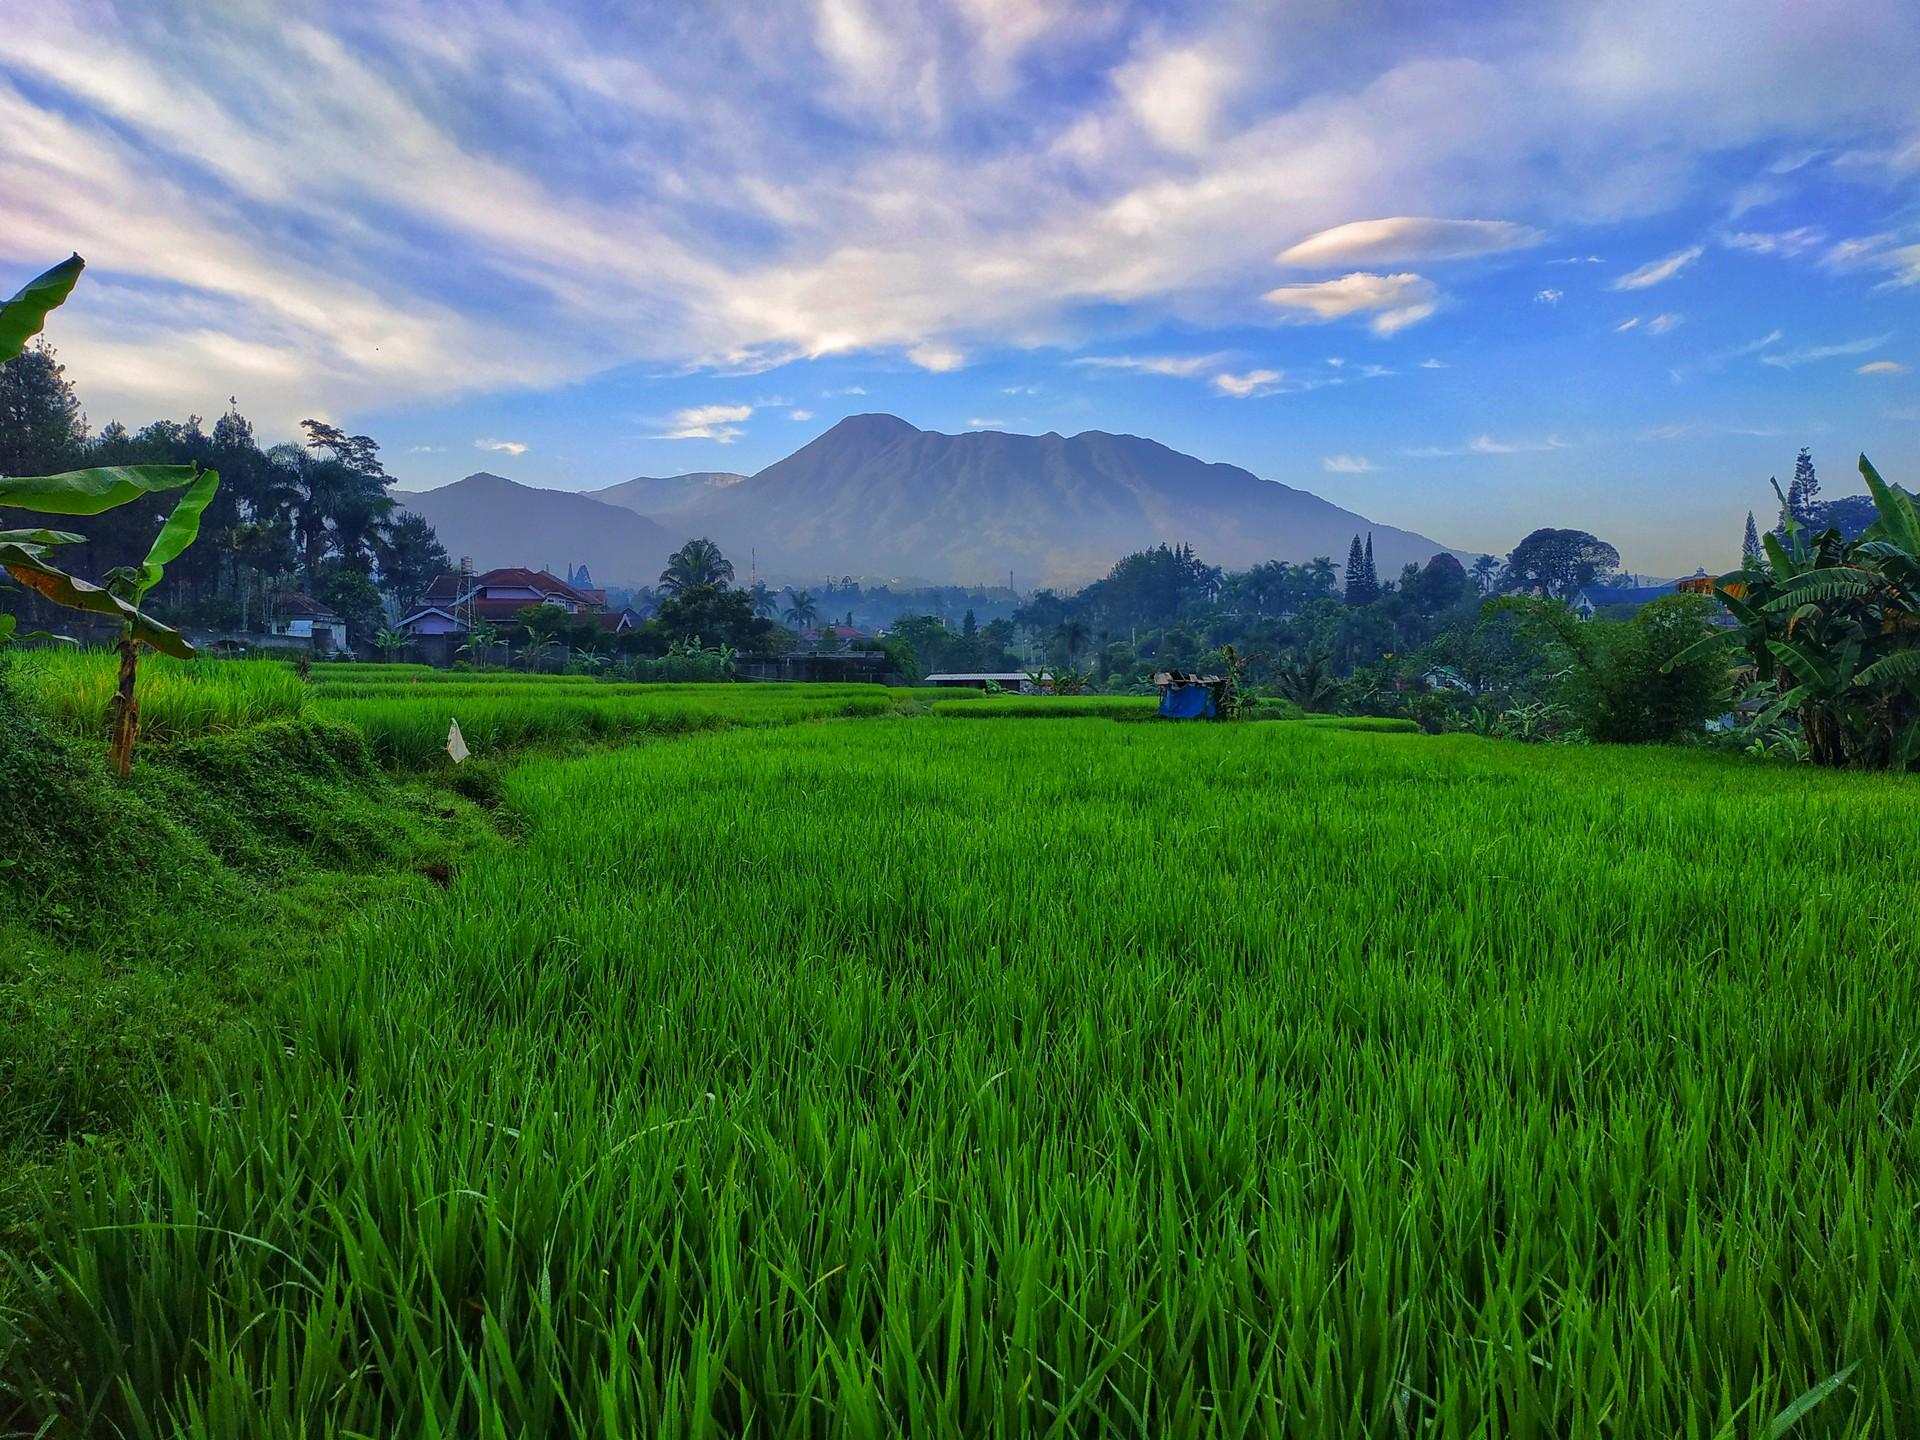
(665, 494)
(877, 497)
(502, 522)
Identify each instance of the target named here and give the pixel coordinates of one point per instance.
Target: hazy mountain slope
(502, 522)
(657, 495)
(875, 496)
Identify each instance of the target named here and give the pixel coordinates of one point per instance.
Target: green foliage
(1629, 686)
(1832, 628)
(178, 699)
(22, 317)
(698, 565)
(1069, 1078)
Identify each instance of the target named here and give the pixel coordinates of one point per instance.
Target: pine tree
(1373, 575)
(1750, 544)
(1356, 574)
(1808, 484)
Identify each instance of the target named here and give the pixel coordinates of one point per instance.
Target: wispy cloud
(1185, 366)
(1882, 367)
(1347, 464)
(1656, 272)
(1394, 301)
(504, 447)
(1548, 297)
(978, 423)
(1790, 359)
(1407, 237)
(799, 415)
(1432, 364)
(1662, 323)
(1485, 445)
(719, 423)
(1626, 325)
(1253, 383)
(426, 450)
(1578, 260)
(1786, 242)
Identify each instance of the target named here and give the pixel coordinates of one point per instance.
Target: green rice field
(821, 1067)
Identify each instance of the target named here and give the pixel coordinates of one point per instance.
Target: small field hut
(1190, 697)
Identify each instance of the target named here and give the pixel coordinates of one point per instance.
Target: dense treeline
(314, 517)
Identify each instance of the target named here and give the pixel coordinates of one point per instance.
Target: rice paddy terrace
(809, 1060)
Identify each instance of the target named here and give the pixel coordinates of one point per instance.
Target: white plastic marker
(456, 744)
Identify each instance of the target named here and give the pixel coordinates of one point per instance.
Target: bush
(1623, 691)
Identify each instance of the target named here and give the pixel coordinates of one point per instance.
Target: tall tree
(1750, 543)
(1486, 574)
(42, 428)
(1357, 574)
(1558, 563)
(1808, 484)
(698, 562)
(411, 555)
(1373, 575)
(803, 610)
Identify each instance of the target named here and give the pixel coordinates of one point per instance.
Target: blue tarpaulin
(1187, 702)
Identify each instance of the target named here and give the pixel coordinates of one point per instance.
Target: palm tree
(1073, 634)
(696, 563)
(1320, 573)
(765, 607)
(1486, 570)
(803, 611)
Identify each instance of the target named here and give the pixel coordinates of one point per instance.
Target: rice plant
(1068, 1079)
(178, 698)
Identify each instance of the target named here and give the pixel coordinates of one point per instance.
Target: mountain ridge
(878, 496)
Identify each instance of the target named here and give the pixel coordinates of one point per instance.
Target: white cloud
(719, 423)
(1549, 297)
(504, 447)
(1432, 364)
(935, 357)
(1485, 445)
(1396, 300)
(1578, 260)
(426, 450)
(1347, 464)
(1336, 361)
(1752, 347)
(1176, 95)
(1786, 242)
(1882, 367)
(1408, 237)
(1655, 272)
(1626, 325)
(1185, 366)
(1793, 358)
(849, 390)
(1252, 384)
(799, 415)
(979, 424)
(1661, 324)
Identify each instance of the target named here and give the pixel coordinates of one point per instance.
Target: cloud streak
(1658, 272)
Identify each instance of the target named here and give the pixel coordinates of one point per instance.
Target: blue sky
(1466, 268)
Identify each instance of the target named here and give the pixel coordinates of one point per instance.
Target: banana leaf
(88, 492)
(24, 564)
(1899, 522)
(180, 531)
(41, 537)
(23, 315)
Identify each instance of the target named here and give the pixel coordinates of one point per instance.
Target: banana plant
(1832, 629)
(24, 552)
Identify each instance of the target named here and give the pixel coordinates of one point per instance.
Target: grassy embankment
(957, 1079)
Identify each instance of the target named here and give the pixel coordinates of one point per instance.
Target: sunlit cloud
(1183, 366)
(719, 423)
(799, 415)
(1657, 272)
(1407, 237)
(504, 447)
(1395, 301)
(1882, 367)
(1249, 385)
